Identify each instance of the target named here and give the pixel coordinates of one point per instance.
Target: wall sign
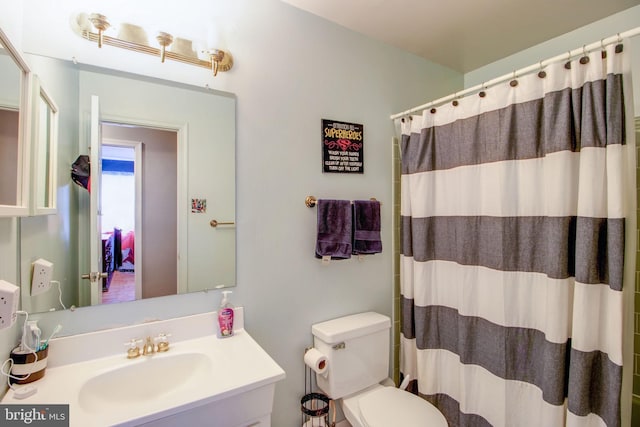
(342, 147)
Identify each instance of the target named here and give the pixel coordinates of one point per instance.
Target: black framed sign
(342, 147)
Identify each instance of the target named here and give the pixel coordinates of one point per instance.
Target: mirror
(44, 146)
(14, 140)
(150, 129)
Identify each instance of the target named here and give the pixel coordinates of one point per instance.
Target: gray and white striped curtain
(512, 249)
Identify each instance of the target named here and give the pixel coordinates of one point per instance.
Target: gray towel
(334, 229)
(366, 227)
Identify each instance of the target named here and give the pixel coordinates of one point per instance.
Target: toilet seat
(387, 406)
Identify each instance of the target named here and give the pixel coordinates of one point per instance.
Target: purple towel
(366, 227)
(334, 229)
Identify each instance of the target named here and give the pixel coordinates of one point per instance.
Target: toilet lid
(389, 406)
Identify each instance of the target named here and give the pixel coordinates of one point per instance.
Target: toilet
(357, 351)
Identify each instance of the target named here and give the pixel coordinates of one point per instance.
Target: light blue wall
(60, 80)
(291, 70)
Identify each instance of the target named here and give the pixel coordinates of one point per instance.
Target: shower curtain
(512, 248)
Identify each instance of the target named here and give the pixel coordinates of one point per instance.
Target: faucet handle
(162, 341)
(134, 350)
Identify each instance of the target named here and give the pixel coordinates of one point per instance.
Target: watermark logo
(34, 415)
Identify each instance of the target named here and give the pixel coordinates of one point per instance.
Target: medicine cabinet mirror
(14, 135)
(45, 148)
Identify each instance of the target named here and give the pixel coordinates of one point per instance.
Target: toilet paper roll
(316, 361)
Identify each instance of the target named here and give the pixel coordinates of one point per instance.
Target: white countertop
(239, 365)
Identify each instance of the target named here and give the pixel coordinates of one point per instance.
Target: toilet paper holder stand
(315, 405)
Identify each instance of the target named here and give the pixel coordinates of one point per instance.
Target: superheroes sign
(342, 147)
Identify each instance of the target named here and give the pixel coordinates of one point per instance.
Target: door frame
(182, 150)
(183, 205)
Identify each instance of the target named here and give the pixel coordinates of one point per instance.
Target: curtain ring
(619, 46)
(482, 92)
(542, 74)
(567, 64)
(514, 81)
(585, 58)
(455, 99)
(603, 50)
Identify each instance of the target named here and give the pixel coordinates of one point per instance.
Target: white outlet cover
(9, 296)
(41, 276)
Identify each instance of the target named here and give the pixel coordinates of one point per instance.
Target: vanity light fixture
(93, 26)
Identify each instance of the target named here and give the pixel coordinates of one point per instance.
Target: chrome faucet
(149, 347)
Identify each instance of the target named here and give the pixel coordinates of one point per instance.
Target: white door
(95, 210)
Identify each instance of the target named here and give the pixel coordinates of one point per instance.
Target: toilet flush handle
(339, 346)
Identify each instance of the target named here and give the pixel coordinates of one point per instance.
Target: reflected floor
(121, 289)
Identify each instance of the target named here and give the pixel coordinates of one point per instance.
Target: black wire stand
(315, 406)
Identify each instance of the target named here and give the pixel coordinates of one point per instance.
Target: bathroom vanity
(201, 380)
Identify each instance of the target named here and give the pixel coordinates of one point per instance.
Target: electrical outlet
(9, 295)
(41, 276)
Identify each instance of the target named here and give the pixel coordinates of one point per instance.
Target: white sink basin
(161, 376)
(201, 378)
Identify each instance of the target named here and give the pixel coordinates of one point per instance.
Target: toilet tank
(357, 352)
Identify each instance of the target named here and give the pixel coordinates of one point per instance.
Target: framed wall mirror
(14, 131)
(149, 130)
(45, 149)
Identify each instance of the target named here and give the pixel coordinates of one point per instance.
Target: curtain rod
(530, 68)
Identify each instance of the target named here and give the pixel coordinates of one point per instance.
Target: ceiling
(463, 34)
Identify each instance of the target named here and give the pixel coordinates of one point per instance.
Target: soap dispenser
(225, 316)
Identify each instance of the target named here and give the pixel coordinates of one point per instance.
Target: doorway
(120, 178)
(139, 208)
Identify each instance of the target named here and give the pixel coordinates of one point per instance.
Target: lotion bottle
(225, 316)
